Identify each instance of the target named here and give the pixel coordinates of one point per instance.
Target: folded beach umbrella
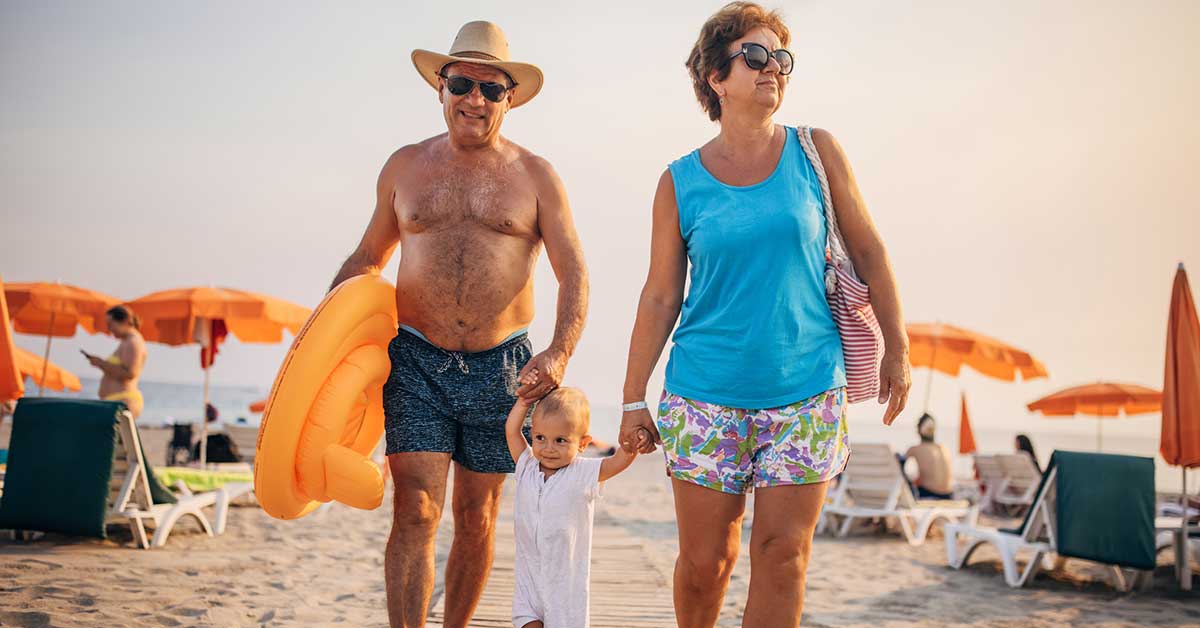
(203, 315)
(1180, 441)
(1101, 400)
(56, 310)
(946, 348)
(44, 373)
(966, 436)
(12, 384)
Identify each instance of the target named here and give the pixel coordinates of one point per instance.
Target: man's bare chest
(449, 200)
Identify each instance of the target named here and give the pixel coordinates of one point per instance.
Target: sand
(327, 569)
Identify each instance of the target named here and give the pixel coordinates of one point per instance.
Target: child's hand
(522, 403)
(530, 378)
(643, 437)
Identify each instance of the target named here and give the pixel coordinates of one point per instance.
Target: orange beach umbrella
(201, 315)
(12, 385)
(45, 374)
(966, 436)
(1181, 394)
(1181, 379)
(55, 310)
(1102, 399)
(946, 348)
(258, 406)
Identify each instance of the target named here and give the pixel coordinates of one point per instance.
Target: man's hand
(542, 374)
(894, 382)
(638, 432)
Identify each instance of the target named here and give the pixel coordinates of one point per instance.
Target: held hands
(638, 432)
(542, 374)
(894, 382)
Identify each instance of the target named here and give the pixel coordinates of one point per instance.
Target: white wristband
(637, 405)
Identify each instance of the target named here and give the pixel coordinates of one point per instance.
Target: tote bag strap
(835, 244)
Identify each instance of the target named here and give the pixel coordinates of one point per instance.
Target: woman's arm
(512, 428)
(658, 309)
(870, 259)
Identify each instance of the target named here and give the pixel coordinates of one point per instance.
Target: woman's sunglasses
(757, 57)
(461, 86)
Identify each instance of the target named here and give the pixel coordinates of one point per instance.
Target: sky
(1030, 165)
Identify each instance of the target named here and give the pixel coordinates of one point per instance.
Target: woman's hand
(894, 382)
(633, 421)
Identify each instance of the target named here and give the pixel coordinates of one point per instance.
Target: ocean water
(1138, 436)
(183, 403)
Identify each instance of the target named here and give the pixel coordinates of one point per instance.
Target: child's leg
(534, 624)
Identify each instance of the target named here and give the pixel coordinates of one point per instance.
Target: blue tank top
(755, 330)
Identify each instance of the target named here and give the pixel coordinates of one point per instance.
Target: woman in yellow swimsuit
(122, 369)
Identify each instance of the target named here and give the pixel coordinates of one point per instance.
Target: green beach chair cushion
(1105, 508)
(59, 466)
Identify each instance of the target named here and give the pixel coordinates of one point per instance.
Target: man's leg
(476, 504)
(419, 481)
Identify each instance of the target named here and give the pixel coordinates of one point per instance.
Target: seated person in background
(934, 476)
(220, 447)
(1023, 444)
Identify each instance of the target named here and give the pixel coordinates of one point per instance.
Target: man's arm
(383, 232)
(566, 258)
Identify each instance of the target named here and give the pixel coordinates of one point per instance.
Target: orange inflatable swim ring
(324, 417)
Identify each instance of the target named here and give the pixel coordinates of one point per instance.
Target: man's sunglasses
(461, 86)
(757, 57)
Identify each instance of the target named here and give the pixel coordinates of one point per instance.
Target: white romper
(553, 521)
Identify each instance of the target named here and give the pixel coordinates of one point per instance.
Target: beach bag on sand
(848, 297)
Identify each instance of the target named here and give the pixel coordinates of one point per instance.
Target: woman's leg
(710, 535)
(780, 543)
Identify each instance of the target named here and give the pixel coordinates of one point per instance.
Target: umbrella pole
(1183, 554)
(204, 422)
(1099, 434)
(929, 382)
(46, 356)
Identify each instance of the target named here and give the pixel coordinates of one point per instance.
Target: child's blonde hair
(569, 403)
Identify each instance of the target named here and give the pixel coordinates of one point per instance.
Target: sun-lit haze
(1029, 164)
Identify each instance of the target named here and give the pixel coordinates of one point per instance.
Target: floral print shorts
(735, 450)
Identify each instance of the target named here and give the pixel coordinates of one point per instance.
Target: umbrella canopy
(966, 436)
(55, 378)
(56, 309)
(1180, 443)
(169, 317)
(258, 406)
(946, 349)
(203, 315)
(12, 385)
(1102, 399)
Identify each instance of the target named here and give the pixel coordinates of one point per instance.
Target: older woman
(755, 393)
(120, 371)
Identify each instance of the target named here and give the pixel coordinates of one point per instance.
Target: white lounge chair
(991, 480)
(130, 498)
(1021, 480)
(245, 439)
(873, 487)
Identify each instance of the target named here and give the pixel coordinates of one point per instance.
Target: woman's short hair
(122, 314)
(711, 51)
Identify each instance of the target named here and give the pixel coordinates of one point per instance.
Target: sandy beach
(327, 569)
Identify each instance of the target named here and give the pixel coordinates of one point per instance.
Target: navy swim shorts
(446, 401)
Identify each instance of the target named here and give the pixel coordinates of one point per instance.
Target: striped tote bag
(848, 297)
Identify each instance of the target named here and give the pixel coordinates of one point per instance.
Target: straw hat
(482, 43)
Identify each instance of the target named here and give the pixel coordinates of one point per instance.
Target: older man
(470, 210)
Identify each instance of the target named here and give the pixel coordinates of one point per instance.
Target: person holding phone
(121, 370)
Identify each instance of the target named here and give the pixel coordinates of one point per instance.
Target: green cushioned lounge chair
(1097, 507)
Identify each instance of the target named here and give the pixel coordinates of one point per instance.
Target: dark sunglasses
(757, 57)
(461, 86)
